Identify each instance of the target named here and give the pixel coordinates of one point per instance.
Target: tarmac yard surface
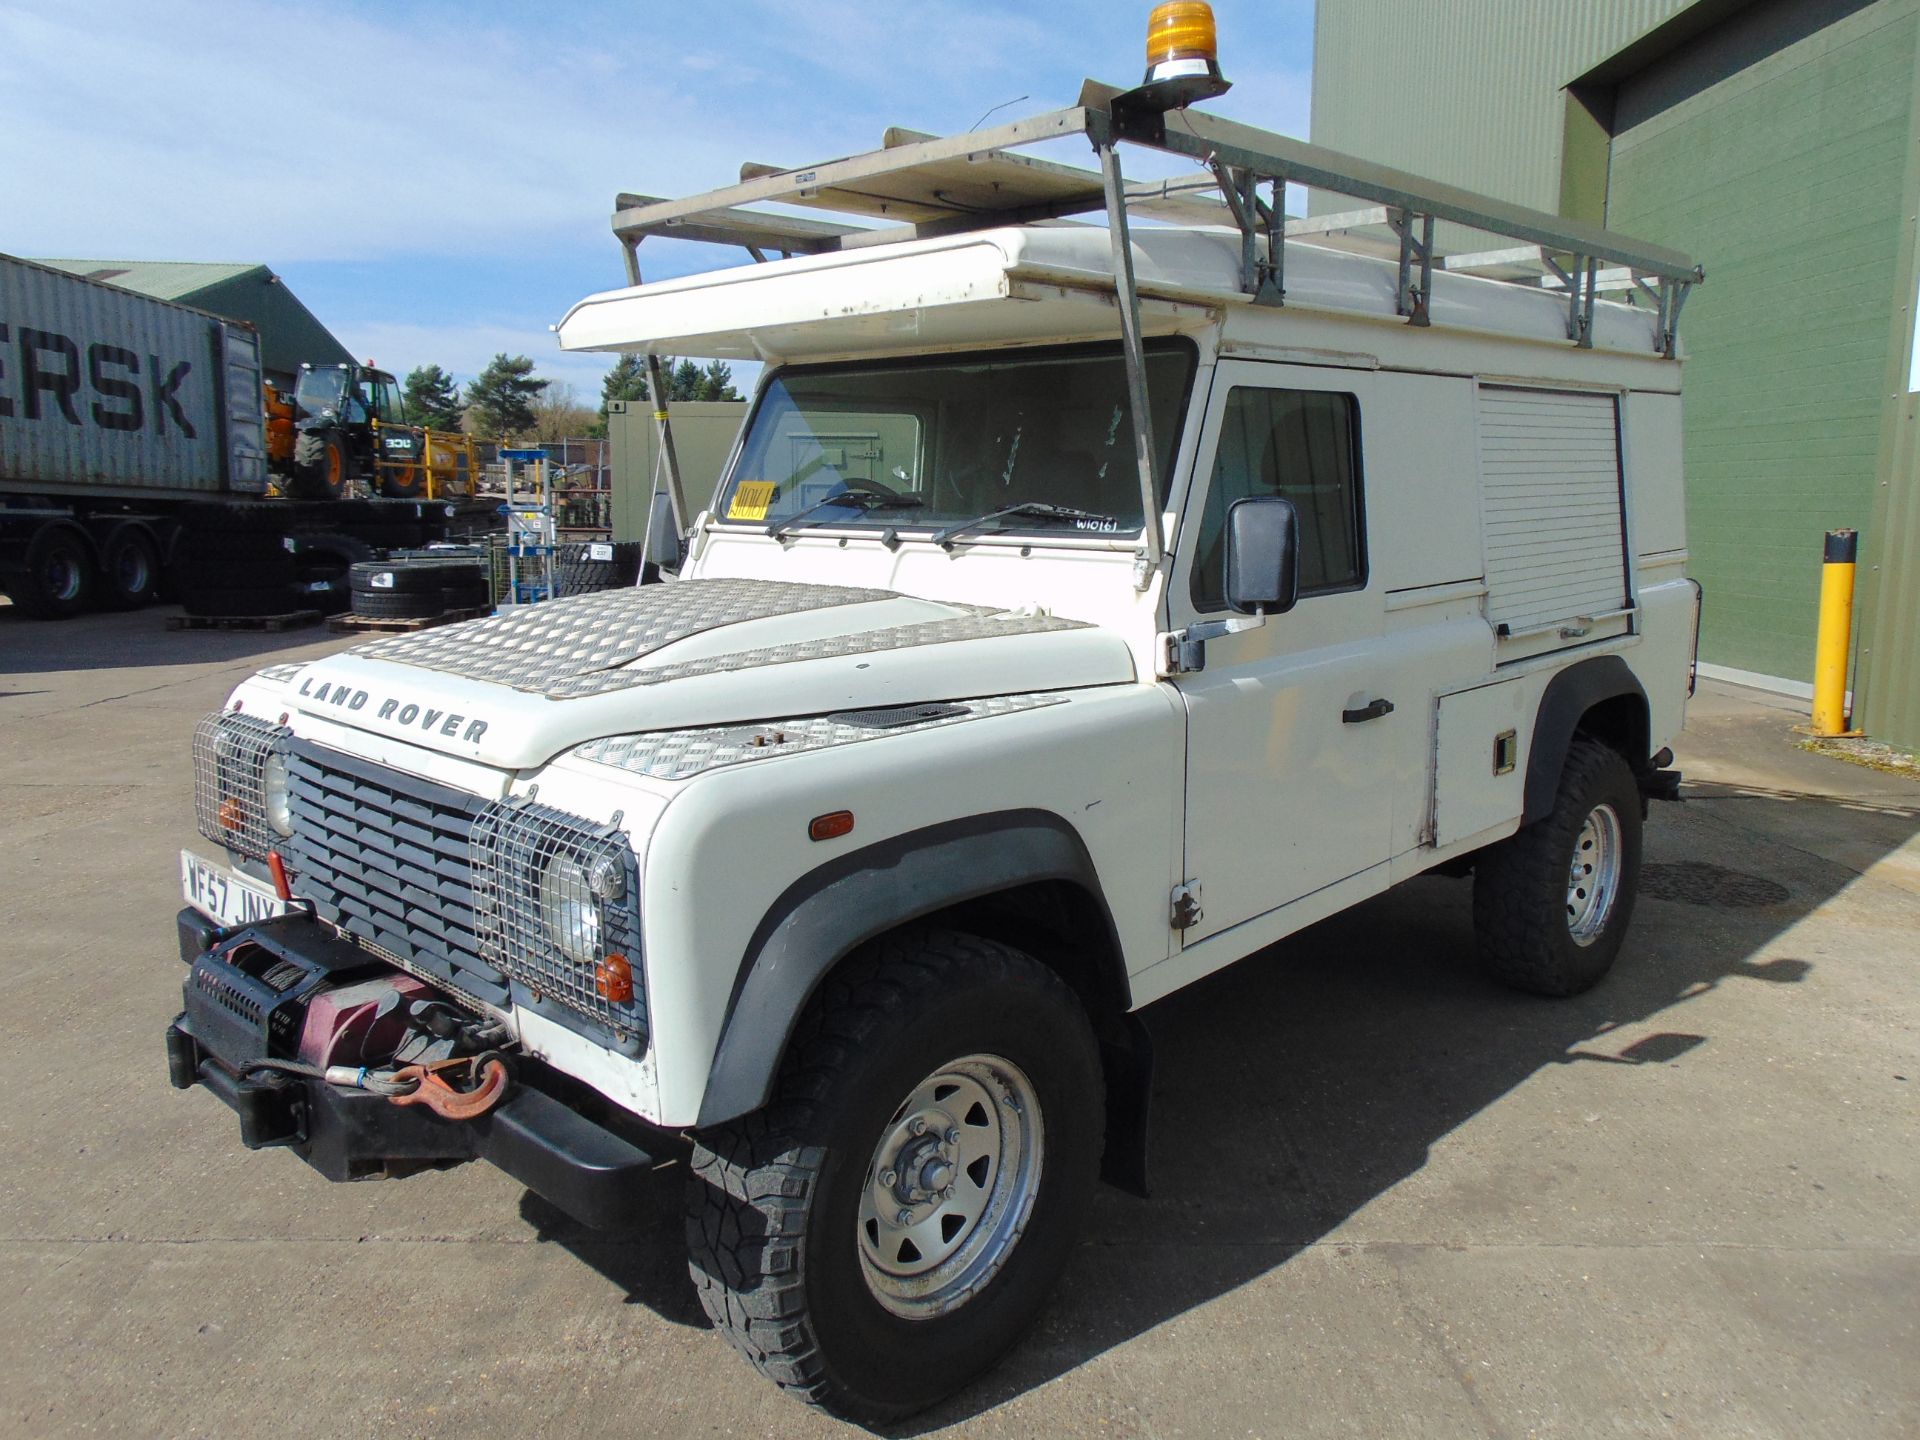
(1391, 1199)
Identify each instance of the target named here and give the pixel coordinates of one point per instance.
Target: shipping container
(107, 393)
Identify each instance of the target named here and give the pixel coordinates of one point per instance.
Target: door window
(1300, 445)
(387, 403)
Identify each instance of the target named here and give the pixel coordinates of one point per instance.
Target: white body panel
(1243, 776)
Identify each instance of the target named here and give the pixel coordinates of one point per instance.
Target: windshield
(962, 436)
(319, 391)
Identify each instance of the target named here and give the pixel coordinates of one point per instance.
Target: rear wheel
(894, 1219)
(130, 565)
(59, 579)
(1551, 905)
(403, 482)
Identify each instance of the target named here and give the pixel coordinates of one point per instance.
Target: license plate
(224, 896)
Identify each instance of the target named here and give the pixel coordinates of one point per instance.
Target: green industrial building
(290, 336)
(1778, 143)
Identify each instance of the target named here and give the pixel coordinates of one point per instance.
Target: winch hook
(490, 1075)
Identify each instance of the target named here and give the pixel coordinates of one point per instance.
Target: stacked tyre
(583, 568)
(322, 565)
(418, 588)
(233, 560)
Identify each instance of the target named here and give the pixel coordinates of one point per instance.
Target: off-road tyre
(58, 579)
(472, 594)
(409, 576)
(199, 547)
(773, 1199)
(400, 605)
(319, 466)
(1525, 889)
(576, 573)
(255, 574)
(130, 567)
(321, 565)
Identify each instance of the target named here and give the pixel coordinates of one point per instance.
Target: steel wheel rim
(950, 1187)
(63, 578)
(130, 570)
(1593, 877)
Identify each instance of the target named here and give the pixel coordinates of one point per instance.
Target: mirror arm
(1232, 625)
(1184, 652)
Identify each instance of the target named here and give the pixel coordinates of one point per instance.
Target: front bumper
(577, 1163)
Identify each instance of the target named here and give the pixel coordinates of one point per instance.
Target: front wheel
(319, 466)
(893, 1220)
(1551, 905)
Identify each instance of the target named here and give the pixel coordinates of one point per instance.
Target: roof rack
(928, 186)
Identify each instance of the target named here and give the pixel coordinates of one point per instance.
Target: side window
(1302, 445)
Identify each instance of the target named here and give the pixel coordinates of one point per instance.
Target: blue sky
(434, 180)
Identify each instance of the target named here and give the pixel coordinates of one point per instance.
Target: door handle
(1372, 710)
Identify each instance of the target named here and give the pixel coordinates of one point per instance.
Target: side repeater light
(831, 827)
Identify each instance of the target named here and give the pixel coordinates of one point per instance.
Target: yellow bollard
(1836, 635)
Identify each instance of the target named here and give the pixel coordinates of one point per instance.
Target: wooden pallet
(343, 623)
(293, 620)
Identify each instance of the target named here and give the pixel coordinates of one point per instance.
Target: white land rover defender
(1085, 607)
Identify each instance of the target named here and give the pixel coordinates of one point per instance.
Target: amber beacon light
(1183, 57)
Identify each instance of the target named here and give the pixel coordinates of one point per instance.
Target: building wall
(1466, 91)
(703, 435)
(1887, 673)
(1785, 182)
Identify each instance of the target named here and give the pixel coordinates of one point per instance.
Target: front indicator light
(613, 980)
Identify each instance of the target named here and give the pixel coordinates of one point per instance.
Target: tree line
(507, 401)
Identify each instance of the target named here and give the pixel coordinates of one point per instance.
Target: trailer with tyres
(134, 459)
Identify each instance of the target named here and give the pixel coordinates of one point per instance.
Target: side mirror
(1263, 555)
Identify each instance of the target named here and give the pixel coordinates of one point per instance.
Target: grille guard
(448, 886)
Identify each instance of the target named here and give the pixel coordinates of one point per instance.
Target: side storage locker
(1553, 504)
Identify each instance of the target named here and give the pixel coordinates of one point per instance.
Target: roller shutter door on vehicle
(1551, 503)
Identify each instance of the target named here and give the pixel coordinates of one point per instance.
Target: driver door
(1290, 757)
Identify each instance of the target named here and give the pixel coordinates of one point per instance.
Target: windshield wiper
(861, 500)
(1038, 509)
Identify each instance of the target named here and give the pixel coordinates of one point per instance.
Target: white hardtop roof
(1032, 283)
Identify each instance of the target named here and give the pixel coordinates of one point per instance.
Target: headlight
(568, 907)
(273, 791)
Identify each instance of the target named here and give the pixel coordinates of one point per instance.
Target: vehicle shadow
(109, 641)
(1295, 1087)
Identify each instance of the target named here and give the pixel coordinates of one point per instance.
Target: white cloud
(499, 133)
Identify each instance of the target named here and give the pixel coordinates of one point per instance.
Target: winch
(305, 1030)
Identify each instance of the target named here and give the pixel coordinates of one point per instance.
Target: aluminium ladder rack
(929, 186)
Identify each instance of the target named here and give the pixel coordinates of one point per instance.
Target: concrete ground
(1392, 1199)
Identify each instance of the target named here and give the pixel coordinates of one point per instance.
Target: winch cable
(356, 1077)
